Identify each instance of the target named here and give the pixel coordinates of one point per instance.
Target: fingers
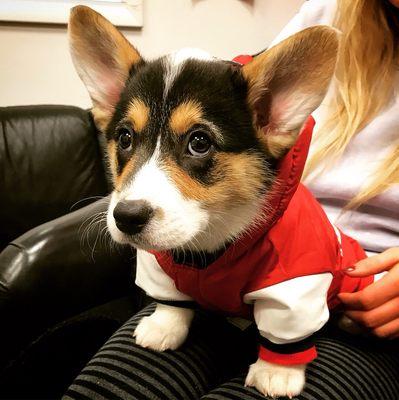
(374, 295)
(388, 331)
(375, 264)
(377, 306)
(378, 316)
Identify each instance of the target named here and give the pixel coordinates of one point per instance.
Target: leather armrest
(50, 159)
(58, 270)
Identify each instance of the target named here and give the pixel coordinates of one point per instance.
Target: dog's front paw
(166, 329)
(276, 380)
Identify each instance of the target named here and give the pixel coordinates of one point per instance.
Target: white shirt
(375, 224)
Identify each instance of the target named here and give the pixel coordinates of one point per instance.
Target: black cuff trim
(178, 303)
(288, 348)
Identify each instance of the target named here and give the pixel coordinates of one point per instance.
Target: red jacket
(296, 240)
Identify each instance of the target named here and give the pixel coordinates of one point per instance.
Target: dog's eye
(125, 138)
(199, 144)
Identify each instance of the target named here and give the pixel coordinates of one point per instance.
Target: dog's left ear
(103, 58)
(288, 82)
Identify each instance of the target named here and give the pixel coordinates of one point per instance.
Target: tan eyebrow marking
(127, 170)
(184, 116)
(112, 161)
(138, 113)
(118, 178)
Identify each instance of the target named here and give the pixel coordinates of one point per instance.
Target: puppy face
(192, 140)
(182, 143)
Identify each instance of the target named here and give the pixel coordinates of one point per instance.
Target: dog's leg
(166, 329)
(276, 380)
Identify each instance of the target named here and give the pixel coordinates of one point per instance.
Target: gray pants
(213, 362)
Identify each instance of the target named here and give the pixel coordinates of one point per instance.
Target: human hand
(377, 306)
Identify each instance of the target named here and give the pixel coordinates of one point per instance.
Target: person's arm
(377, 306)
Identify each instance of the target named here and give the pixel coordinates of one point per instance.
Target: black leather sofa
(63, 287)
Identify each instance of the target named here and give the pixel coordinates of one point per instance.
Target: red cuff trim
(302, 357)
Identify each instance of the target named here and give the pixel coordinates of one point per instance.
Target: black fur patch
(197, 260)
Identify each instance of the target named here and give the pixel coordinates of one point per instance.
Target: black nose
(132, 215)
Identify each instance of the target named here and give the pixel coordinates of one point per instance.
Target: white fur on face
(228, 225)
(182, 223)
(176, 220)
(179, 222)
(174, 62)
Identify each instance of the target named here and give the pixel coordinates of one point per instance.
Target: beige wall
(35, 67)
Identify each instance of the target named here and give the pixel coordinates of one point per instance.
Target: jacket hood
(289, 169)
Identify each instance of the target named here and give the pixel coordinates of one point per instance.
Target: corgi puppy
(206, 157)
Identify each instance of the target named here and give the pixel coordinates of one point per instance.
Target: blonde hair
(363, 84)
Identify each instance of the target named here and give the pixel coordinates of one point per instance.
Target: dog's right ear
(102, 57)
(288, 82)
